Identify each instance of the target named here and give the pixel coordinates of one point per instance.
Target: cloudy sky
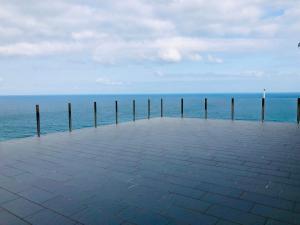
(140, 46)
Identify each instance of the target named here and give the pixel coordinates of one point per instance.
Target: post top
(264, 93)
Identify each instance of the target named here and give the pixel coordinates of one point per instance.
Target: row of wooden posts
(149, 111)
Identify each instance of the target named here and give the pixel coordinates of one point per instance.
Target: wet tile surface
(159, 171)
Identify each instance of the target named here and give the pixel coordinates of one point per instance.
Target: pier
(158, 171)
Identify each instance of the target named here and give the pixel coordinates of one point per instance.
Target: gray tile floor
(154, 172)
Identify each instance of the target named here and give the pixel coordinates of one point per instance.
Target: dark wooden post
(161, 108)
(205, 107)
(70, 116)
(262, 109)
(38, 125)
(133, 109)
(232, 108)
(181, 107)
(95, 114)
(116, 112)
(148, 108)
(298, 111)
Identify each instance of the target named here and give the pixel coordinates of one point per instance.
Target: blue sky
(139, 46)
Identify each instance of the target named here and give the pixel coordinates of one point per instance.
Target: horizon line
(146, 93)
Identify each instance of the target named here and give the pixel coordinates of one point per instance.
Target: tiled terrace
(154, 172)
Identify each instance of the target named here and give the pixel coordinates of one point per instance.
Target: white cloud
(107, 81)
(136, 30)
(254, 73)
(172, 49)
(170, 55)
(41, 48)
(88, 34)
(8, 32)
(195, 57)
(159, 73)
(214, 59)
(234, 75)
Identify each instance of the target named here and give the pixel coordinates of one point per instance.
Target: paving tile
(107, 205)
(22, 207)
(268, 200)
(276, 222)
(158, 183)
(6, 196)
(189, 203)
(278, 214)
(13, 184)
(223, 222)
(65, 206)
(236, 216)
(96, 216)
(144, 197)
(127, 223)
(6, 218)
(215, 188)
(169, 170)
(140, 216)
(297, 207)
(47, 217)
(11, 172)
(228, 201)
(48, 184)
(36, 195)
(180, 215)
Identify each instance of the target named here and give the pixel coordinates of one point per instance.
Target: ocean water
(17, 113)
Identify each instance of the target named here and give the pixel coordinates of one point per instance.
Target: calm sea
(17, 113)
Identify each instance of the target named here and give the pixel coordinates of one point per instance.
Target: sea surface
(17, 113)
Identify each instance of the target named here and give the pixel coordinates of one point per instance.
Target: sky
(140, 46)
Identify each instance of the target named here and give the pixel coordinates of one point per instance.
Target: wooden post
(298, 111)
(38, 125)
(133, 109)
(181, 107)
(116, 112)
(205, 107)
(232, 108)
(70, 116)
(262, 109)
(148, 108)
(161, 108)
(95, 114)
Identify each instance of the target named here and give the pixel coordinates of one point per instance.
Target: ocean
(17, 113)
